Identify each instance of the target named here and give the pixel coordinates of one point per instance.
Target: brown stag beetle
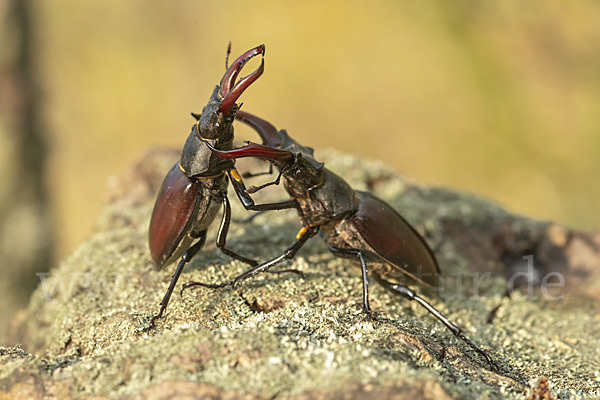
(354, 224)
(196, 186)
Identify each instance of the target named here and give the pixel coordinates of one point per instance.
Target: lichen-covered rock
(305, 337)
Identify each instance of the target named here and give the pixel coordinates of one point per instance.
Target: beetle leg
(352, 253)
(288, 254)
(455, 329)
(232, 282)
(185, 258)
(240, 188)
(284, 205)
(248, 202)
(254, 189)
(222, 235)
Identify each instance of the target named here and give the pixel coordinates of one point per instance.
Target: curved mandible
(255, 150)
(229, 91)
(268, 133)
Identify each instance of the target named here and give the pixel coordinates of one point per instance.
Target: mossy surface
(291, 336)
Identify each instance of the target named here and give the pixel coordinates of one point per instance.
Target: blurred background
(495, 98)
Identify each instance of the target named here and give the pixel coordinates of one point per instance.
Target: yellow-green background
(499, 98)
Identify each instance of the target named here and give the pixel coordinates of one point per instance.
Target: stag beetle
(354, 224)
(196, 185)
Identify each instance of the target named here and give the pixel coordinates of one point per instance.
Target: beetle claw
(488, 358)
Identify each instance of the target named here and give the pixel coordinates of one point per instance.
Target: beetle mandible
(354, 224)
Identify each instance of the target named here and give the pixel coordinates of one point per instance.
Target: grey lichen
(305, 337)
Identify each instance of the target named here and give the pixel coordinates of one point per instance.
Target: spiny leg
(254, 189)
(248, 202)
(222, 235)
(289, 253)
(455, 329)
(353, 253)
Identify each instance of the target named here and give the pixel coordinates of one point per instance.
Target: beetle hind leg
(455, 329)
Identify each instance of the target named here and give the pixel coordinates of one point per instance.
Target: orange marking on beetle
(236, 176)
(210, 176)
(321, 180)
(301, 232)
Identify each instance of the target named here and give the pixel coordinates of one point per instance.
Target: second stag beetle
(196, 186)
(354, 224)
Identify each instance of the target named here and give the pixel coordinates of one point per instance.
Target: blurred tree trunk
(26, 234)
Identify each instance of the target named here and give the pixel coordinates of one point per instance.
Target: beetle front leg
(248, 202)
(222, 235)
(254, 189)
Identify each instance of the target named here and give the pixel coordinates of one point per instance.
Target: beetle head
(302, 174)
(215, 122)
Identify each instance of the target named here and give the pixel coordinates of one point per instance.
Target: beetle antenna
(227, 56)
